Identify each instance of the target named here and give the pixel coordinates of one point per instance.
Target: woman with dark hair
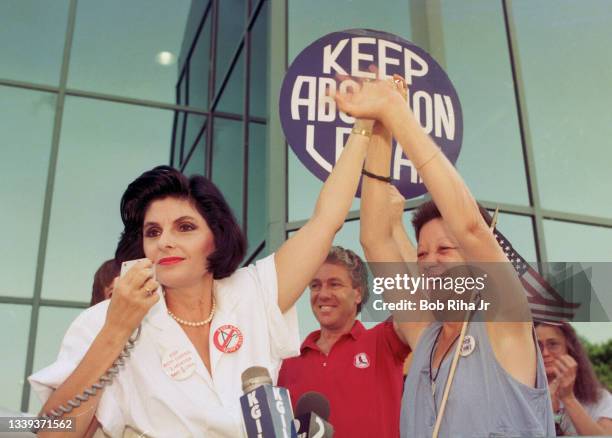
(581, 405)
(203, 321)
(104, 280)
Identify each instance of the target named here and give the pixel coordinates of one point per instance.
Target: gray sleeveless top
(484, 400)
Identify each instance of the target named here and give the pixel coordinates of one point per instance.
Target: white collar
(226, 301)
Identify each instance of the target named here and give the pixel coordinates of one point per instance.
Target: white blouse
(164, 389)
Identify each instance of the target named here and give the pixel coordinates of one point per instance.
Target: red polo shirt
(361, 377)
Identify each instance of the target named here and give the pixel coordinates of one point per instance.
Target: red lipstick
(170, 260)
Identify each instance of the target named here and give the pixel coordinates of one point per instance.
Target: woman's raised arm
(511, 339)
(298, 258)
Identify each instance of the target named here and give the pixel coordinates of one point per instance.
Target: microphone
(266, 409)
(312, 412)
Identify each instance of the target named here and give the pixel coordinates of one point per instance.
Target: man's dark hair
(163, 182)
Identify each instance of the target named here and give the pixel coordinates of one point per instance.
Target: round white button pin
(469, 343)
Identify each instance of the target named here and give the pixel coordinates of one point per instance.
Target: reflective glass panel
(231, 24)
(310, 20)
(27, 128)
(195, 124)
(199, 67)
(564, 48)
(519, 231)
(199, 9)
(179, 117)
(197, 160)
(104, 146)
(228, 162)
(178, 139)
(258, 98)
(128, 48)
(257, 214)
(568, 242)
(33, 33)
(14, 328)
(232, 99)
(53, 322)
(478, 64)
(181, 90)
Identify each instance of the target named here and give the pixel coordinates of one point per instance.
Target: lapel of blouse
(170, 336)
(225, 315)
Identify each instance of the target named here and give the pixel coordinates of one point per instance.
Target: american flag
(544, 301)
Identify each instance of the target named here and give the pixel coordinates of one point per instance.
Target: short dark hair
(103, 278)
(428, 211)
(163, 182)
(356, 269)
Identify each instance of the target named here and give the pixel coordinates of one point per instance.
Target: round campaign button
(228, 338)
(469, 343)
(178, 364)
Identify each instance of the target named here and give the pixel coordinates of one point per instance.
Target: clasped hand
(565, 368)
(133, 296)
(374, 99)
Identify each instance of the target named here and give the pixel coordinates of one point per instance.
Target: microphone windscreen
(254, 377)
(312, 402)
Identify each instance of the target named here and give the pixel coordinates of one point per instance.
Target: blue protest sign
(316, 130)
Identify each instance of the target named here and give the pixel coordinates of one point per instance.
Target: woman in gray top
(499, 388)
(582, 405)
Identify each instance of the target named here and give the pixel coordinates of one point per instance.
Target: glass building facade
(223, 52)
(94, 93)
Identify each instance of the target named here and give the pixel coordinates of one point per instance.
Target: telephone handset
(106, 379)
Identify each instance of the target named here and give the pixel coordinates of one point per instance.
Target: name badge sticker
(178, 364)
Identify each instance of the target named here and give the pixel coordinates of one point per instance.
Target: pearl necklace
(195, 323)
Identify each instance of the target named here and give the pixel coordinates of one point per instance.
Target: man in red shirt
(358, 370)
